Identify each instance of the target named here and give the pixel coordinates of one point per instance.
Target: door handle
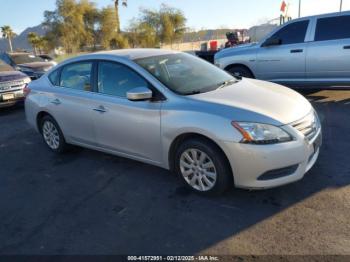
(100, 109)
(347, 47)
(296, 50)
(56, 102)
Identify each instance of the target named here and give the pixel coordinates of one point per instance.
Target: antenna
(341, 5)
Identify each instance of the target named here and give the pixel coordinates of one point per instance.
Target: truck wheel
(240, 71)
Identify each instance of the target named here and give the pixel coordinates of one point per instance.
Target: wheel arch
(39, 117)
(192, 135)
(227, 68)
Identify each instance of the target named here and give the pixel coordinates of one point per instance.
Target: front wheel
(203, 167)
(52, 135)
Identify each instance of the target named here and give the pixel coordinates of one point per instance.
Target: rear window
(54, 77)
(333, 28)
(77, 76)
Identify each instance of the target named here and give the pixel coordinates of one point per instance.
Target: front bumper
(16, 97)
(250, 162)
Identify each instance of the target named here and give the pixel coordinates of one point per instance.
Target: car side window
(77, 76)
(117, 79)
(332, 28)
(293, 33)
(54, 77)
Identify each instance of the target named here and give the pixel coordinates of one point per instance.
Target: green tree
(43, 45)
(167, 25)
(9, 34)
(173, 24)
(91, 19)
(69, 24)
(110, 37)
(34, 40)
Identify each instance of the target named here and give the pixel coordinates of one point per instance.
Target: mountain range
(20, 42)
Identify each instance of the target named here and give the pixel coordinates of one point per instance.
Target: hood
(259, 101)
(232, 50)
(36, 66)
(11, 76)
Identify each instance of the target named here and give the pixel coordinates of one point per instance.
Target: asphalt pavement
(87, 202)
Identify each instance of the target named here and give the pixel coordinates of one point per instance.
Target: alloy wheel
(51, 135)
(198, 169)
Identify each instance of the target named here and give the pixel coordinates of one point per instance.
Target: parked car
(12, 84)
(307, 51)
(31, 65)
(48, 58)
(210, 128)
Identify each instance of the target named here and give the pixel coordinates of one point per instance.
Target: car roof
(138, 53)
(322, 15)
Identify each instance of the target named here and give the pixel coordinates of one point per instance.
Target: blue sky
(20, 14)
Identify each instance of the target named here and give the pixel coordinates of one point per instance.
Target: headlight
(27, 80)
(256, 133)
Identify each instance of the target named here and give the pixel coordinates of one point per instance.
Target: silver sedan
(178, 112)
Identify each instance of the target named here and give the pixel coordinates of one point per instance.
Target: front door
(284, 62)
(123, 126)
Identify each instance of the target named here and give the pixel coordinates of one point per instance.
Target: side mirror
(139, 94)
(272, 41)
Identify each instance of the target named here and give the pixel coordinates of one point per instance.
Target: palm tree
(9, 34)
(116, 5)
(33, 39)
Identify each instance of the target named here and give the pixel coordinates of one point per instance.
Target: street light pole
(341, 5)
(300, 8)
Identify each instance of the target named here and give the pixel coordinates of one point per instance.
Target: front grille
(10, 85)
(308, 126)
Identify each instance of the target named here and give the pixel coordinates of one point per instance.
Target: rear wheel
(203, 167)
(240, 71)
(52, 135)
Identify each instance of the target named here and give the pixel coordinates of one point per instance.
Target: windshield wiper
(226, 83)
(194, 92)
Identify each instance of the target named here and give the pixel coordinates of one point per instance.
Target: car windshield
(25, 58)
(186, 74)
(5, 67)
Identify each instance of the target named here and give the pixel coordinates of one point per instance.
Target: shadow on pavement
(87, 202)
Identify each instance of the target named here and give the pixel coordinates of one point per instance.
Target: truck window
(293, 33)
(332, 28)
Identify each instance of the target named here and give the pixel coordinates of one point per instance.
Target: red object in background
(283, 6)
(214, 45)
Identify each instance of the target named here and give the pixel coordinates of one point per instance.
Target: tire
(199, 175)
(52, 135)
(240, 71)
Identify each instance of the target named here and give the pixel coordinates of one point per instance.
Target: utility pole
(300, 8)
(341, 5)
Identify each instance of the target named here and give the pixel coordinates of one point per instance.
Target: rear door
(328, 56)
(71, 101)
(284, 62)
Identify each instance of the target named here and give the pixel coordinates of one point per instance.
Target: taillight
(26, 90)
